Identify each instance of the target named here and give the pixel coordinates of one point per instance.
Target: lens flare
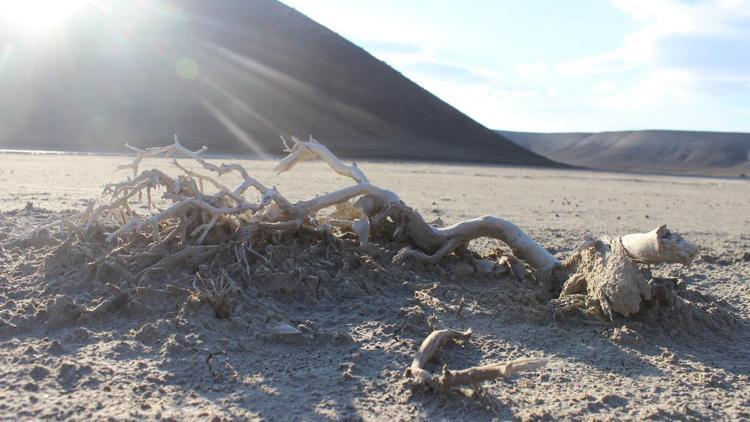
(187, 68)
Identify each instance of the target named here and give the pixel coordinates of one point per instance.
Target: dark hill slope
(659, 151)
(230, 74)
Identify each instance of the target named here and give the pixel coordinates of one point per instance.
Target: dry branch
(489, 372)
(157, 151)
(304, 151)
(431, 243)
(431, 345)
(453, 378)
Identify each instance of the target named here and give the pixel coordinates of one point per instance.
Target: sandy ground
(162, 355)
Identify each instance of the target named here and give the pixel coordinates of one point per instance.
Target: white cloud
(605, 87)
(532, 69)
(608, 62)
(663, 10)
(384, 47)
(660, 17)
(659, 87)
(679, 53)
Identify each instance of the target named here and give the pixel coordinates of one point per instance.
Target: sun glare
(38, 14)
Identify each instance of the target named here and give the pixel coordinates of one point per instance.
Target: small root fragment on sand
(436, 341)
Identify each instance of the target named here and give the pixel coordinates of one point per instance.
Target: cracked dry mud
(328, 334)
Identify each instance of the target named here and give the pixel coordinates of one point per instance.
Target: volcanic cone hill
(232, 75)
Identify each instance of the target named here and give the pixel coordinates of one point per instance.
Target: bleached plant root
(154, 230)
(197, 217)
(491, 372)
(436, 341)
(218, 292)
(431, 345)
(607, 276)
(458, 236)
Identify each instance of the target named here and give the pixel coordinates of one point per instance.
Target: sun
(38, 15)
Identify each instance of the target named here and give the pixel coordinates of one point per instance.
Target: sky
(564, 65)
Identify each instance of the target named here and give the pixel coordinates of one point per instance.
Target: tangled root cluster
(223, 240)
(158, 226)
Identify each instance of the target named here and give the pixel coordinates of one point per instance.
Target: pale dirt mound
(322, 328)
(317, 317)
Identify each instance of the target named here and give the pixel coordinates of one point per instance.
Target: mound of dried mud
(313, 326)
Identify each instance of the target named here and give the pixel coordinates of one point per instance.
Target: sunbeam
(242, 105)
(235, 129)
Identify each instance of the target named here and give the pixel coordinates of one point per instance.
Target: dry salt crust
(333, 341)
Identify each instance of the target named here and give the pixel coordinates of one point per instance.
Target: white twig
(523, 246)
(135, 225)
(303, 151)
(154, 152)
(430, 345)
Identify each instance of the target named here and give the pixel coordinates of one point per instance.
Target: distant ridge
(230, 74)
(654, 151)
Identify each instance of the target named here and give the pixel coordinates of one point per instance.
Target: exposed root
(432, 344)
(303, 151)
(453, 378)
(218, 292)
(170, 262)
(197, 217)
(115, 302)
(491, 372)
